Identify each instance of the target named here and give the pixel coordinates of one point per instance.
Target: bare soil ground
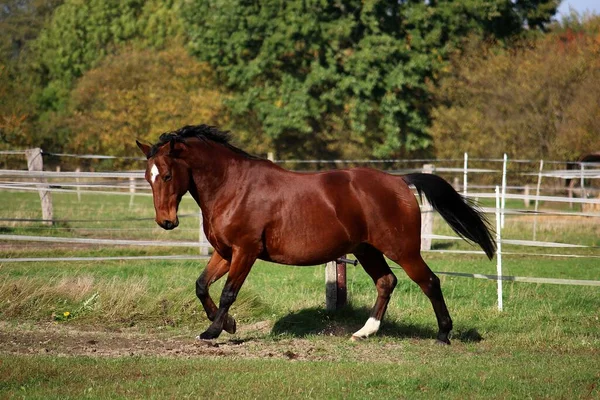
(64, 340)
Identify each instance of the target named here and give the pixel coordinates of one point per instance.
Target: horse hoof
(208, 335)
(441, 342)
(230, 325)
(356, 338)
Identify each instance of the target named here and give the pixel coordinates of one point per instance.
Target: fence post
(426, 215)
(78, 170)
(131, 190)
(36, 163)
(499, 248)
(526, 199)
(537, 198)
(465, 170)
(336, 293)
(583, 194)
(503, 200)
(202, 236)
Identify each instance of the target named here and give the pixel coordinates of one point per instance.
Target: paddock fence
(534, 190)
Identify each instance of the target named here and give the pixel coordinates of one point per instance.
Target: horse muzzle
(168, 224)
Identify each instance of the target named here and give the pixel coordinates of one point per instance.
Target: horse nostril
(168, 224)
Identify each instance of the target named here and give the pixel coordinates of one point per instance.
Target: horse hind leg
(215, 269)
(417, 270)
(385, 281)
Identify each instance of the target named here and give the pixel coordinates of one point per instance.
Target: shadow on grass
(441, 245)
(468, 336)
(344, 322)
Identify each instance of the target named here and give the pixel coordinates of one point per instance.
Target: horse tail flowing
(459, 212)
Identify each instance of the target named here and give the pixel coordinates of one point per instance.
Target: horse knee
(201, 288)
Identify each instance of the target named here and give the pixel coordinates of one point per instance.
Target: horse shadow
(441, 245)
(349, 319)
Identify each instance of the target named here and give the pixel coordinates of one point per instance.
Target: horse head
(168, 175)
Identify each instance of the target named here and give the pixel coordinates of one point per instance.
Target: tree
(82, 33)
(539, 99)
(14, 111)
(320, 76)
(138, 94)
(20, 23)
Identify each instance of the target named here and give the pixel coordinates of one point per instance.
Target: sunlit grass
(545, 343)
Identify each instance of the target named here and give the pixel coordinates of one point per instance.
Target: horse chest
(223, 234)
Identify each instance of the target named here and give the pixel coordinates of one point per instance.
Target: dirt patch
(62, 340)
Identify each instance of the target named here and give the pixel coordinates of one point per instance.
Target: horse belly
(309, 244)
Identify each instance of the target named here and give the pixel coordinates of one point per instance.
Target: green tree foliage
(82, 33)
(138, 94)
(322, 77)
(20, 23)
(14, 110)
(540, 99)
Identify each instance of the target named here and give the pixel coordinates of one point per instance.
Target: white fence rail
(132, 183)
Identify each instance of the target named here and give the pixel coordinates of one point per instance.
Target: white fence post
(202, 236)
(503, 188)
(583, 194)
(78, 170)
(537, 197)
(426, 215)
(465, 170)
(131, 190)
(36, 163)
(499, 248)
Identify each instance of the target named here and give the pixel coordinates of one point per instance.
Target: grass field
(116, 329)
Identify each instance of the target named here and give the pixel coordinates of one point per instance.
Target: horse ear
(144, 148)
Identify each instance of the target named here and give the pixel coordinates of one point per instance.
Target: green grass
(418, 373)
(97, 216)
(546, 342)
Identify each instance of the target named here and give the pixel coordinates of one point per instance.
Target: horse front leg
(241, 263)
(217, 267)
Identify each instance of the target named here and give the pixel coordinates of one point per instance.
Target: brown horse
(253, 209)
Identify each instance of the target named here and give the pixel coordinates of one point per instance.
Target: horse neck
(212, 168)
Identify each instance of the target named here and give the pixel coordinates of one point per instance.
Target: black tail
(460, 213)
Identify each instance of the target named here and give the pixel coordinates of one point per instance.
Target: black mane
(202, 132)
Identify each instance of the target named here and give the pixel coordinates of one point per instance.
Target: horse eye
(167, 177)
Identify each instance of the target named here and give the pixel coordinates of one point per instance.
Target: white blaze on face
(153, 173)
